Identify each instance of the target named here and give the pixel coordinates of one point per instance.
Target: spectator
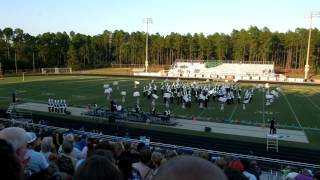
(128, 172)
(76, 153)
(105, 145)
(246, 165)
(233, 174)
(17, 138)
(48, 149)
(316, 176)
(170, 154)
(254, 169)
(91, 146)
(304, 175)
(1, 126)
(66, 162)
(97, 168)
(100, 152)
(37, 160)
(10, 166)
(118, 149)
(221, 163)
(156, 159)
(292, 173)
(141, 146)
(134, 153)
(141, 166)
(80, 142)
(189, 168)
(235, 163)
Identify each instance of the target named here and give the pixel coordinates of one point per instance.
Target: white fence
(56, 70)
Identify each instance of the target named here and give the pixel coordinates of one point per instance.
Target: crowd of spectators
(27, 152)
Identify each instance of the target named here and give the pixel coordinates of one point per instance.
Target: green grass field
(298, 107)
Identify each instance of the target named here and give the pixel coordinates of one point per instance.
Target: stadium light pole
(147, 21)
(306, 68)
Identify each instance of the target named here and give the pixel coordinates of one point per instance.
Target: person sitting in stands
(37, 161)
(305, 174)
(234, 174)
(254, 169)
(10, 166)
(17, 138)
(48, 149)
(125, 166)
(142, 165)
(189, 168)
(97, 167)
(76, 153)
(66, 162)
(316, 176)
(246, 165)
(156, 159)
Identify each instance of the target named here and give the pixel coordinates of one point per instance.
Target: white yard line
(81, 80)
(201, 112)
(292, 110)
(315, 105)
(4, 97)
(233, 111)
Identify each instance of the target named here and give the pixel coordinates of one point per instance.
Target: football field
(298, 107)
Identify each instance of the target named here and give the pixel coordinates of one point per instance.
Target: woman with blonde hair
(48, 149)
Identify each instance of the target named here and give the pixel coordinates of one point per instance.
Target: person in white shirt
(76, 153)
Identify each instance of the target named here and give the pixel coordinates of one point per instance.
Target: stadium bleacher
(168, 151)
(201, 69)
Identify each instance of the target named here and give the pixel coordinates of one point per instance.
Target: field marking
(199, 116)
(81, 80)
(43, 93)
(292, 110)
(315, 105)
(93, 80)
(233, 111)
(36, 80)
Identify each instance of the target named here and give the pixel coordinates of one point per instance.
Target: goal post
(56, 70)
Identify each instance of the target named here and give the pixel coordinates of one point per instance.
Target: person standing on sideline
(14, 97)
(272, 126)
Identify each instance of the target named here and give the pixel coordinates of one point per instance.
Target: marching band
(184, 92)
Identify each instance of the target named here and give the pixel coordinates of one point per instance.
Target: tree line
(287, 50)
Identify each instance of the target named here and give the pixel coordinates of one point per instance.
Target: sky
(92, 17)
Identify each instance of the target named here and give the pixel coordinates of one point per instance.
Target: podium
(272, 142)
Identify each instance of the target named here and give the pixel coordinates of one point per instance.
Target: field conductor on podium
(272, 127)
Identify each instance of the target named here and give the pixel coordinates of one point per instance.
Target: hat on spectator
(31, 137)
(236, 164)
